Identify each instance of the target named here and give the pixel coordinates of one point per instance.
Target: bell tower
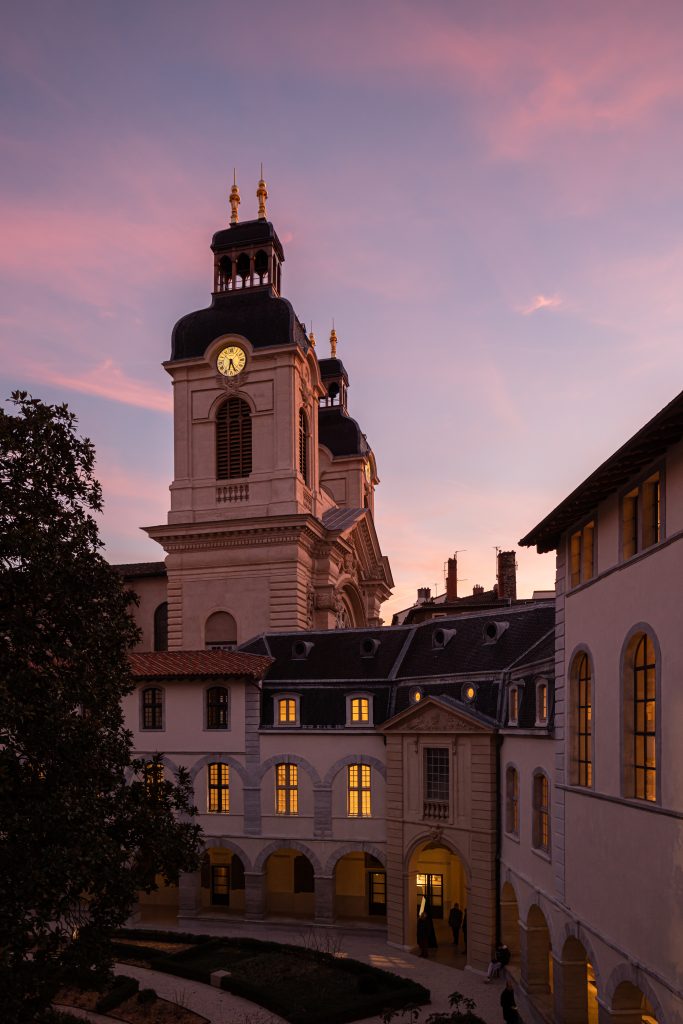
(248, 531)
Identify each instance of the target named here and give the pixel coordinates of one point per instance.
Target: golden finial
(333, 342)
(311, 338)
(261, 195)
(234, 198)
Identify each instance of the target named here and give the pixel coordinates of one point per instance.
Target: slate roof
(330, 368)
(663, 430)
(256, 313)
(197, 664)
(335, 666)
(136, 570)
(340, 433)
(247, 233)
(339, 519)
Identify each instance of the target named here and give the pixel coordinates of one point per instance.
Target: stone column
(570, 991)
(534, 958)
(189, 901)
(322, 812)
(254, 896)
(324, 899)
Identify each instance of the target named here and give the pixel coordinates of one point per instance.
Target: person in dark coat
(464, 928)
(507, 1002)
(499, 960)
(423, 923)
(455, 921)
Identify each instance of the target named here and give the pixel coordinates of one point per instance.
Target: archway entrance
(436, 881)
(537, 964)
(290, 884)
(631, 1005)
(360, 888)
(509, 920)
(576, 998)
(222, 880)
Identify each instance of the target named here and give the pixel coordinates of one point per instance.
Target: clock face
(231, 361)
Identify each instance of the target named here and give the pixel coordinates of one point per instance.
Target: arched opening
(303, 445)
(161, 627)
(243, 269)
(233, 440)
(360, 888)
(581, 720)
(290, 884)
(509, 920)
(220, 632)
(222, 880)
(640, 718)
(437, 884)
(631, 1005)
(576, 997)
(261, 266)
(537, 969)
(224, 274)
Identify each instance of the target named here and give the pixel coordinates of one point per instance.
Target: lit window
(154, 777)
(359, 790)
(582, 553)
(641, 719)
(217, 699)
(541, 812)
(512, 801)
(582, 721)
(641, 516)
(436, 782)
(152, 708)
(468, 693)
(287, 711)
(541, 703)
(358, 711)
(513, 715)
(286, 789)
(416, 696)
(219, 788)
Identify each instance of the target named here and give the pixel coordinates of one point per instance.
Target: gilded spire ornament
(234, 199)
(311, 338)
(333, 343)
(261, 195)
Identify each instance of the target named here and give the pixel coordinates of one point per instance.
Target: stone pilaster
(324, 899)
(534, 958)
(570, 991)
(189, 898)
(254, 895)
(322, 812)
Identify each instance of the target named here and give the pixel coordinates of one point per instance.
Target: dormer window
(287, 710)
(641, 516)
(582, 554)
(542, 702)
(513, 705)
(358, 710)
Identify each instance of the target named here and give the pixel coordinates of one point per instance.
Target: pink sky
(486, 197)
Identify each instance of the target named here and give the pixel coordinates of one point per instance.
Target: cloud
(541, 302)
(108, 381)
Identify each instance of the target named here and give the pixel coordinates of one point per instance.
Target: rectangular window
(152, 708)
(641, 516)
(359, 791)
(541, 704)
(219, 789)
(541, 835)
(154, 777)
(286, 711)
(217, 707)
(360, 709)
(581, 554)
(436, 782)
(512, 801)
(513, 716)
(645, 722)
(286, 789)
(584, 731)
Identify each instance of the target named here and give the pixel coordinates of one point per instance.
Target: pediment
(432, 716)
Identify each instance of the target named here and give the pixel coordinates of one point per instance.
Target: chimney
(452, 580)
(507, 576)
(477, 590)
(423, 594)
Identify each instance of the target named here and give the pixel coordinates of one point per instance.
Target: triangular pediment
(432, 715)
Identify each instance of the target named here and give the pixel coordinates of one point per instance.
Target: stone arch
(448, 844)
(332, 772)
(218, 759)
(624, 974)
(348, 593)
(164, 758)
(238, 393)
(573, 931)
(300, 762)
(226, 843)
(341, 851)
(509, 918)
(536, 955)
(220, 627)
(287, 844)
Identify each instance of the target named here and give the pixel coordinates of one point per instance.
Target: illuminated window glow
(359, 791)
(581, 554)
(286, 711)
(286, 789)
(641, 516)
(360, 709)
(541, 812)
(645, 722)
(219, 788)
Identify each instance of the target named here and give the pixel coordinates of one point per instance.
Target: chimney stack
(452, 580)
(423, 594)
(507, 576)
(477, 590)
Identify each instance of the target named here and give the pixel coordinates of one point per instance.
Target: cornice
(201, 537)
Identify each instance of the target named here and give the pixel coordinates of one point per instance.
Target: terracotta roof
(134, 570)
(652, 440)
(189, 664)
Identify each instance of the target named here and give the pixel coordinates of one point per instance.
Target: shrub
(122, 989)
(146, 996)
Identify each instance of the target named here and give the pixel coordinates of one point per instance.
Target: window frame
(635, 491)
(582, 718)
(359, 723)
(287, 786)
(580, 576)
(161, 705)
(358, 790)
(512, 801)
(208, 708)
(289, 723)
(542, 719)
(221, 788)
(541, 836)
(303, 446)
(631, 766)
(436, 806)
(515, 694)
(244, 441)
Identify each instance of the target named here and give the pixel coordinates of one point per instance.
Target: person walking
(507, 1002)
(423, 934)
(455, 921)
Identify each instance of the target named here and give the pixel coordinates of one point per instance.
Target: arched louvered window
(233, 440)
(161, 627)
(303, 445)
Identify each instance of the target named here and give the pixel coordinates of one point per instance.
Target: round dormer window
(416, 695)
(468, 693)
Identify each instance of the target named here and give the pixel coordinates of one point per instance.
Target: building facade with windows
(591, 864)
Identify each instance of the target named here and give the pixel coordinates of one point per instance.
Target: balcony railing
(230, 493)
(435, 810)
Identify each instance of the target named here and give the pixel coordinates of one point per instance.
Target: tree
(82, 826)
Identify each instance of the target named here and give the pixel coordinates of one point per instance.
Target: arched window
(217, 707)
(581, 721)
(640, 719)
(541, 812)
(220, 632)
(161, 627)
(303, 445)
(512, 801)
(233, 440)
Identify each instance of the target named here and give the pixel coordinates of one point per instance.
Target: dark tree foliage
(82, 827)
